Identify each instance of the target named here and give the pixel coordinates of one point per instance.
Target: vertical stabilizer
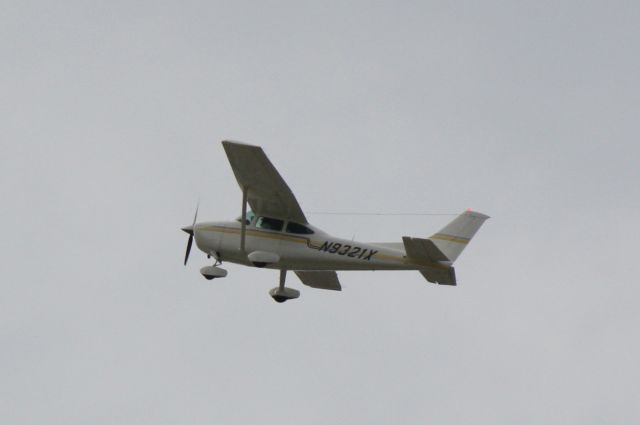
(455, 236)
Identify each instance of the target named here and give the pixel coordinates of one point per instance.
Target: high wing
(320, 279)
(267, 192)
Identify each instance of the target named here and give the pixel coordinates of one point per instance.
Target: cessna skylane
(275, 234)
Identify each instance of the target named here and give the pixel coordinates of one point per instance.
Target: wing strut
(243, 221)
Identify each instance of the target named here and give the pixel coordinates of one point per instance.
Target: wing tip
(237, 143)
(476, 214)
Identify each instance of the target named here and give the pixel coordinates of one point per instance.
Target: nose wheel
(213, 272)
(281, 293)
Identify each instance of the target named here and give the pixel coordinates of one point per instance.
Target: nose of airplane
(188, 230)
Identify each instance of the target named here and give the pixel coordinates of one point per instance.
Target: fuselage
(313, 250)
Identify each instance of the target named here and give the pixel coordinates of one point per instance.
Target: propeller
(190, 231)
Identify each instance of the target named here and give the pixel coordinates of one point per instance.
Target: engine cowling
(263, 258)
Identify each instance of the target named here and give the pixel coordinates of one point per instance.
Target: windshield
(248, 217)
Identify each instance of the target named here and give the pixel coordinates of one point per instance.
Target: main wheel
(280, 298)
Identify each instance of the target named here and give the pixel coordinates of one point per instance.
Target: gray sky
(112, 114)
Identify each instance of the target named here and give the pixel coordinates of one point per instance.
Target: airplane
(275, 234)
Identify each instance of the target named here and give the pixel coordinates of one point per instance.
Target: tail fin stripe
(450, 238)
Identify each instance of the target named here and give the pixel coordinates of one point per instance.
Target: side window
(298, 229)
(269, 224)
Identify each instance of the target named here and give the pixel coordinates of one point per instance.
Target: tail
(455, 236)
(443, 248)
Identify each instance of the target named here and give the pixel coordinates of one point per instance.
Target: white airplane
(276, 234)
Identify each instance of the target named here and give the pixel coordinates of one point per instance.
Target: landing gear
(280, 293)
(212, 272)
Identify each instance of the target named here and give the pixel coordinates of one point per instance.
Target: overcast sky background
(112, 115)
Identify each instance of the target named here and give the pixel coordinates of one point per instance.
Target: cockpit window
(269, 223)
(248, 218)
(298, 229)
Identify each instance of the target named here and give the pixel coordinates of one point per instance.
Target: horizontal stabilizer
(441, 276)
(320, 279)
(423, 249)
